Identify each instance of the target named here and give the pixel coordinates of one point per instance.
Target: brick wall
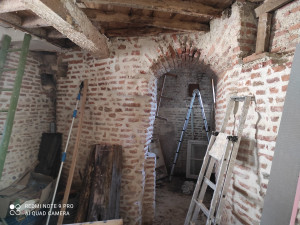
(34, 114)
(119, 103)
(175, 111)
(267, 80)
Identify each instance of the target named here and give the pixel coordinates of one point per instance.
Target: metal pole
(64, 154)
(13, 102)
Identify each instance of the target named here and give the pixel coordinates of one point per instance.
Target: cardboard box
(31, 186)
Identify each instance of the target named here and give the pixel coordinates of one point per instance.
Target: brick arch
(180, 53)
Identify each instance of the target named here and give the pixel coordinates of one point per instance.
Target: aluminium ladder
(226, 159)
(15, 90)
(196, 93)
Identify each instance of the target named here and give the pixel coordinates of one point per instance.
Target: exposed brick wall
(285, 28)
(34, 114)
(175, 111)
(267, 80)
(121, 102)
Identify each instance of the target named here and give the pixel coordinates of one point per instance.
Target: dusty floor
(171, 204)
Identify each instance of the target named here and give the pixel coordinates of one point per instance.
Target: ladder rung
(202, 207)
(14, 50)
(10, 69)
(3, 110)
(209, 183)
(6, 89)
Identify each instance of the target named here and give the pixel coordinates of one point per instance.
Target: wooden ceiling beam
(11, 6)
(71, 21)
(171, 6)
(137, 32)
(173, 24)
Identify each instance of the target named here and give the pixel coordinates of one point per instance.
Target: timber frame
(264, 13)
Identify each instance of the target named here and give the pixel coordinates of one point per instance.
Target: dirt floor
(171, 204)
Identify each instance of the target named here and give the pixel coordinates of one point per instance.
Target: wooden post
(263, 33)
(105, 188)
(74, 157)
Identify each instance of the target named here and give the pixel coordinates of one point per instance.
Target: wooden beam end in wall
(263, 33)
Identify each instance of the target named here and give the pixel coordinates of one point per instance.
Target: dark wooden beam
(263, 33)
(171, 6)
(269, 6)
(173, 24)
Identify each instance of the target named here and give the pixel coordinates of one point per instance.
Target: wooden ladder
(161, 96)
(222, 149)
(15, 90)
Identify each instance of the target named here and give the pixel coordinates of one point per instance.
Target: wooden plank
(11, 6)
(173, 24)
(85, 189)
(107, 222)
(269, 6)
(171, 6)
(105, 189)
(75, 152)
(69, 20)
(263, 33)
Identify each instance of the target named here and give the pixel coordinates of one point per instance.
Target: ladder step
(3, 110)
(10, 69)
(202, 207)
(209, 183)
(166, 97)
(14, 50)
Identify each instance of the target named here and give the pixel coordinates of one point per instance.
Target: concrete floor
(172, 205)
